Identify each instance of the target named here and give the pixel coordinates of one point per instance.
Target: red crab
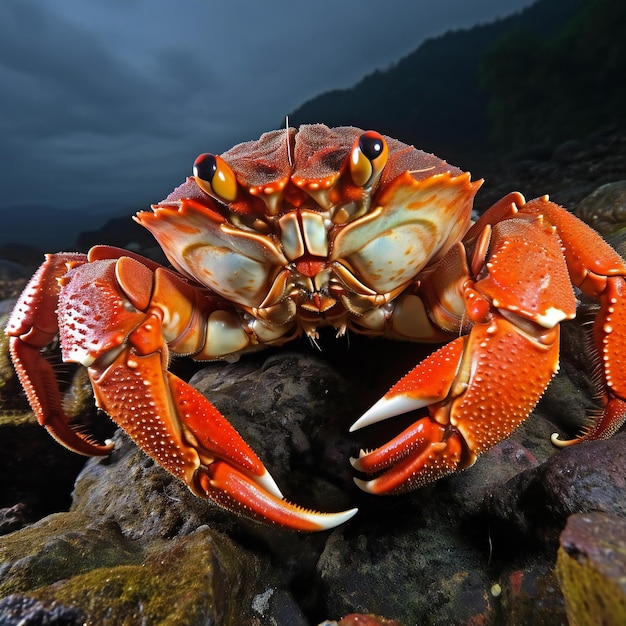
(325, 227)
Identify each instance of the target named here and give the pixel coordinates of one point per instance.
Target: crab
(338, 227)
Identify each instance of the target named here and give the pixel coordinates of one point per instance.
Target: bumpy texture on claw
(472, 399)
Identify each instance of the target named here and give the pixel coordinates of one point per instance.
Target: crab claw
(239, 492)
(228, 472)
(425, 450)
(180, 429)
(473, 398)
(189, 437)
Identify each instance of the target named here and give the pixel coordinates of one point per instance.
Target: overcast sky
(109, 101)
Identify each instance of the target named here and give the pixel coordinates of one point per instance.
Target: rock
(535, 504)
(421, 572)
(276, 606)
(569, 151)
(202, 578)
(14, 517)
(605, 208)
(18, 610)
(591, 567)
(530, 594)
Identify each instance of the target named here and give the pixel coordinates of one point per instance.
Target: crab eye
(215, 177)
(368, 158)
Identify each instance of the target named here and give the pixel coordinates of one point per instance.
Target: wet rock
(422, 572)
(535, 504)
(592, 569)
(18, 610)
(202, 578)
(530, 594)
(58, 547)
(605, 208)
(276, 606)
(14, 517)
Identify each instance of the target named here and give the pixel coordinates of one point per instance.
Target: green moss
(201, 578)
(60, 546)
(17, 418)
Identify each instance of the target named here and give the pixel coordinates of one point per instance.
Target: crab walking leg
(31, 327)
(478, 389)
(599, 272)
(609, 336)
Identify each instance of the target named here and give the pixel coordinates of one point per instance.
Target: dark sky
(107, 102)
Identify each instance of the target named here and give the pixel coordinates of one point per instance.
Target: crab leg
(31, 327)
(599, 272)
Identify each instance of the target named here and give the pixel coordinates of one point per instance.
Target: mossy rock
(591, 567)
(200, 578)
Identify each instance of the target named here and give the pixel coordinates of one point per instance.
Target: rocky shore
(528, 535)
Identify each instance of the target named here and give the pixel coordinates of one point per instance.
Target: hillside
(459, 92)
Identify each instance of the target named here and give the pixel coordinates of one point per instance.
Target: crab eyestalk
(215, 177)
(368, 159)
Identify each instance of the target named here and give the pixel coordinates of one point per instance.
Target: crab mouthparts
(317, 300)
(310, 266)
(318, 303)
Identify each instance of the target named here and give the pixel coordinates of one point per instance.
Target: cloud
(109, 102)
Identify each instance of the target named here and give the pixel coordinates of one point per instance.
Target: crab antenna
(289, 157)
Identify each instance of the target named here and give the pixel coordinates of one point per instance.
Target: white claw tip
(389, 407)
(267, 483)
(364, 485)
(326, 521)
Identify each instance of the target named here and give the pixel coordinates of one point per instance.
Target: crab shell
(301, 242)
